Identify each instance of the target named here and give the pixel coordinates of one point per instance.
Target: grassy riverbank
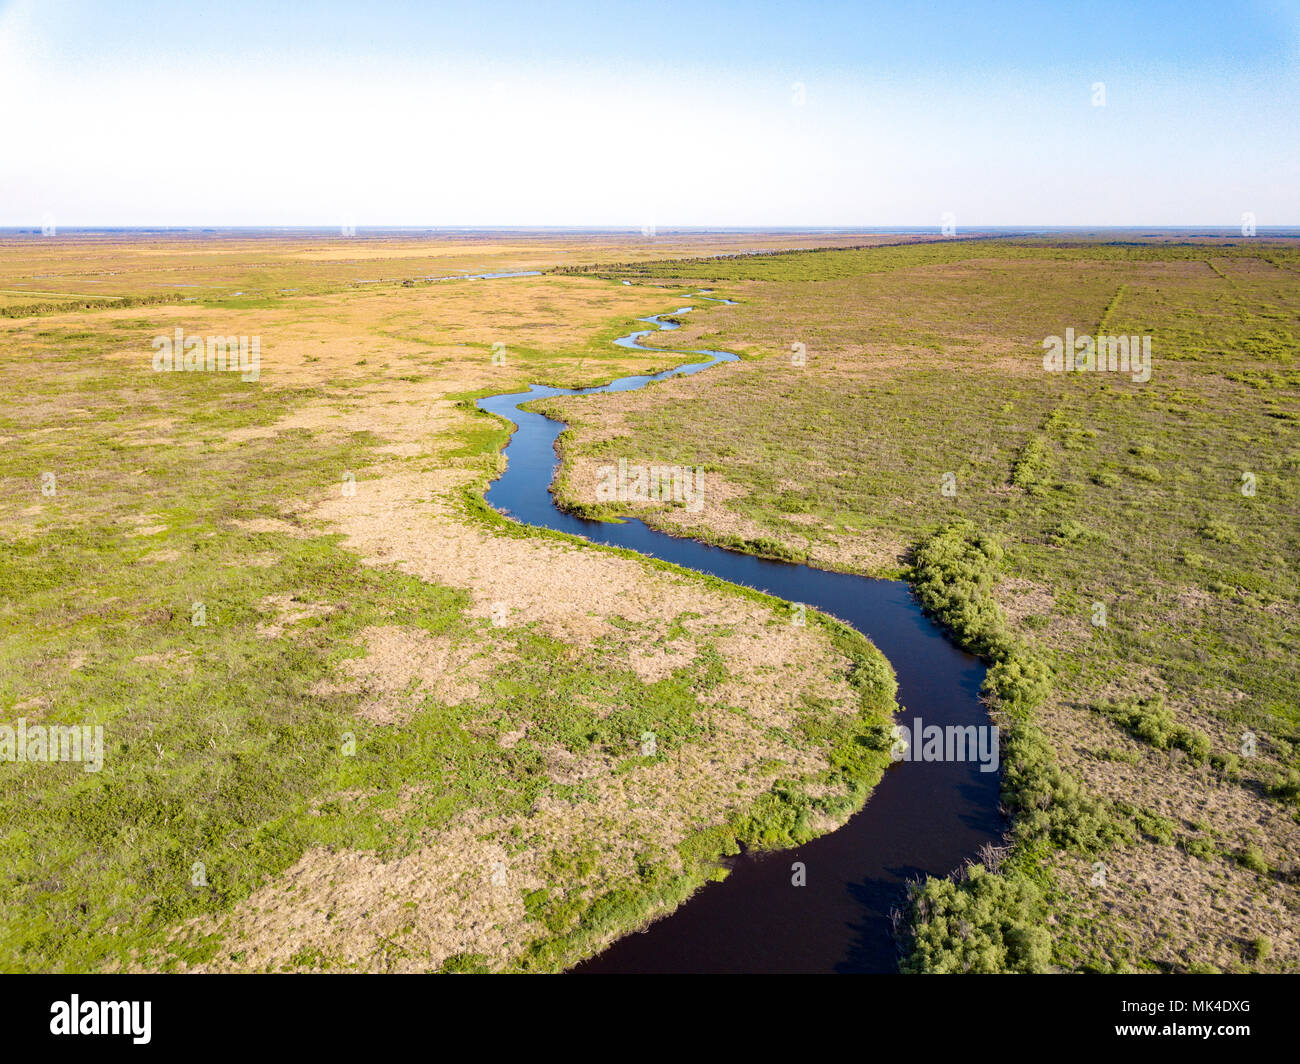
(1125, 561)
(349, 721)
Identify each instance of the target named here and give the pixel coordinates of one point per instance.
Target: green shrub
(1217, 531)
(1151, 721)
(1070, 531)
(1143, 471)
(1049, 803)
(1227, 765)
(1019, 681)
(1032, 466)
(953, 574)
(765, 547)
(987, 923)
(1153, 825)
(874, 675)
(1286, 786)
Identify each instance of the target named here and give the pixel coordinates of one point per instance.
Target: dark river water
(925, 817)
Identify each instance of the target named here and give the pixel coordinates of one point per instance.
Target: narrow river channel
(923, 817)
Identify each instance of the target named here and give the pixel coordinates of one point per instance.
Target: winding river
(924, 818)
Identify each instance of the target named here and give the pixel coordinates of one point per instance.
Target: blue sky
(666, 113)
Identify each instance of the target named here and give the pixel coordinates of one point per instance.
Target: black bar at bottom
(336, 1012)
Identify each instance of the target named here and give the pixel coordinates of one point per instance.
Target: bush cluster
(988, 921)
(1150, 720)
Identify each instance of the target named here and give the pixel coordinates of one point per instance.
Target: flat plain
(353, 721)
(1129, 546)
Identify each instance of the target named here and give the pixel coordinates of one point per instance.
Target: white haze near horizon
(294, 139)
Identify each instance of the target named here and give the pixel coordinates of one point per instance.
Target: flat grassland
(406, 735)
(352, 720)
(1124, 553)
(70, 271)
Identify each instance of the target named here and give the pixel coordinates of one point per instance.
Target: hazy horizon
(879, 230)
(844, 116)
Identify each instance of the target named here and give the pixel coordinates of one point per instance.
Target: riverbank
(1135, 527)
(845, 919)
(350, 765)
